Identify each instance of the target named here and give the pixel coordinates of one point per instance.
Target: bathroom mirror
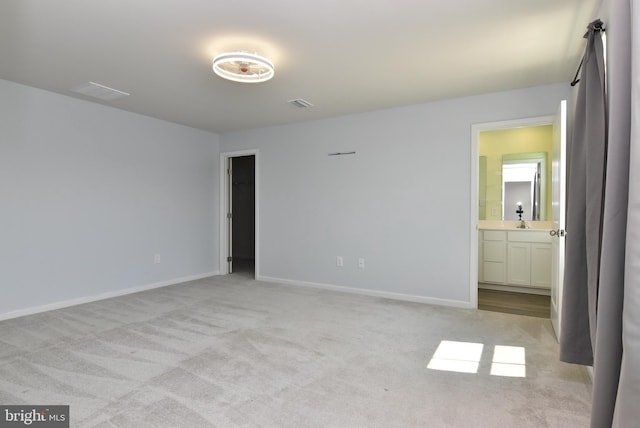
(523, 190)
(524, 153)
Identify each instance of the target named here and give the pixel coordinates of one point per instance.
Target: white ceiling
(344, 56)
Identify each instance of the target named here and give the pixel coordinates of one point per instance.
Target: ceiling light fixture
(243, 67)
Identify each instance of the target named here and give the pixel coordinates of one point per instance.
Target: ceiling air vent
(300, 103)
(97, 90)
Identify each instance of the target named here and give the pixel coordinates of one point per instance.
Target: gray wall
(402, 202)
(88, 195)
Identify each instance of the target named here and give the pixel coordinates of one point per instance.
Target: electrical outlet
(339, 261)
(156, 259)
(360, 263)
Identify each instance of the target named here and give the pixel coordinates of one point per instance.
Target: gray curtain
(600, 323)
(627, 408)
(584, 206)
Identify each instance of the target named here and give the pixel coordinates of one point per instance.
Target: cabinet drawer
(494, 235)
(494, 272)
(526, 236)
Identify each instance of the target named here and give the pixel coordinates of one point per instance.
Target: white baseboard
(108, 295)
(369, 292)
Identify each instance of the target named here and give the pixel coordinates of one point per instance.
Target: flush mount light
(243, 67)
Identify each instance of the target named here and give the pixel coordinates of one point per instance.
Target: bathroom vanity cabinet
(515, 258)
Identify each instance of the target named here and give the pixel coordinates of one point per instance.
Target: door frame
(476, 129)
(224, 207)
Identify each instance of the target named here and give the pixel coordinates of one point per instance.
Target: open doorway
(239, 214)
(514, 266)
(511, 272)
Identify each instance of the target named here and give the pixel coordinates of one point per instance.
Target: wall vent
(300, 103)
(96, 90)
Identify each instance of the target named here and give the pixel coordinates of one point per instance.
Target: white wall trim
(368, 292)
(590, 373)
(224, 156)
(103, 296)
(476, 129)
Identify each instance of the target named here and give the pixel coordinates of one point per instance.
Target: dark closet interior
(243, 190)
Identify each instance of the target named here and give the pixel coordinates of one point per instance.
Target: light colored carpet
(229, 351)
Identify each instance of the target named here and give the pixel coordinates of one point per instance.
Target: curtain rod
(596, 25)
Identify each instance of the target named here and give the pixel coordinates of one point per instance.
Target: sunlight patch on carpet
(462, 357)
(465, 357)
(508, 361)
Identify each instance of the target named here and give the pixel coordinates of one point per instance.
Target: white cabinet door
(541, 265)
(519, 263)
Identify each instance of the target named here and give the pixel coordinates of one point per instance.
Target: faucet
(520, 211)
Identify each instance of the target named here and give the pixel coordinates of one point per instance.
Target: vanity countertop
(513, 225)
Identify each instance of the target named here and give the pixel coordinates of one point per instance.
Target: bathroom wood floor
(532, 305)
